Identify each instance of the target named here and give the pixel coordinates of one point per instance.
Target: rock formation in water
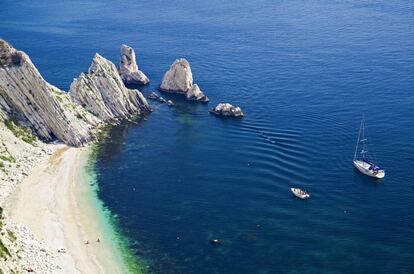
(226, 109)
(46, 109)
(156, 97)
(170, 103)
(102, 92)
(153, 96)
(94, 98)
(179, 79)
(128, 68)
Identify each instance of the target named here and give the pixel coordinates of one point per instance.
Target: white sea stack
(46, 109)
(226, 109)
(179, 79)
(102, 92)
(128, 67)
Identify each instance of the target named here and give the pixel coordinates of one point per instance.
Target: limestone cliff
(179, 79)
(128, 67)
(102, 92)
(48, 110)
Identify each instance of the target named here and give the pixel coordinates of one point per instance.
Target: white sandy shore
(53, 203)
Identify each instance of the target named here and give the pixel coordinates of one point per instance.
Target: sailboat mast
(364, 144)
(359, 136)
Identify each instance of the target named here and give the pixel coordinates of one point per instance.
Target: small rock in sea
(216, 241)
(226, 109)
(153, 96)
(162, 100)
(170, 103)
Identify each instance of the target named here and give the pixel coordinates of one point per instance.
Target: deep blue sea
(304, 73)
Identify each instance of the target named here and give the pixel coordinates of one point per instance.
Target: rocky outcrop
(102, 92)
(94, 98)
(226, 109)
(49, 111)
(153, 96)
(179, 79)
(128, 68)
(156, 97)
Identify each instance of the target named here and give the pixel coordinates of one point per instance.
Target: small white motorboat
(300, 193)
(364, 164)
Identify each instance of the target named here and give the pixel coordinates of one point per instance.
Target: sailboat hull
(363, 167)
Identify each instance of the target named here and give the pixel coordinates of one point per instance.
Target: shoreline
(58, 204)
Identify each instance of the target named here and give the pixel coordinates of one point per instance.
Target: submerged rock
(179, 79)
(170, 103)
(226, 109)
(216, 241)
(156, 97)
(128, 68)
(153, 96)
(45, 108)
(102, 92)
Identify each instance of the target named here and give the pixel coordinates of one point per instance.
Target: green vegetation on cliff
(20, 132)
(4, 251)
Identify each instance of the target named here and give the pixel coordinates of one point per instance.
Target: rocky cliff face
(102, 92)
(94, 98)
(179, 79)
(128, 68)
(50, 113)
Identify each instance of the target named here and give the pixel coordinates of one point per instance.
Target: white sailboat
(364, 163)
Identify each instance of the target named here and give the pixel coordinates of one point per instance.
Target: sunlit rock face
(95, 98)
(128, 67)
(102, 92)
(179, 79)
(49, 111)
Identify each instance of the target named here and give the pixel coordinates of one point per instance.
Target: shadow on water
(113, 138)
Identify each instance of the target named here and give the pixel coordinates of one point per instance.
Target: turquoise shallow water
(105, 221)
(304, 72)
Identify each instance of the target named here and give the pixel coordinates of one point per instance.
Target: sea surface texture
(304, 73)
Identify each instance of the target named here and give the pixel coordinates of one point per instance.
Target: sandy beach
(54, 202)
